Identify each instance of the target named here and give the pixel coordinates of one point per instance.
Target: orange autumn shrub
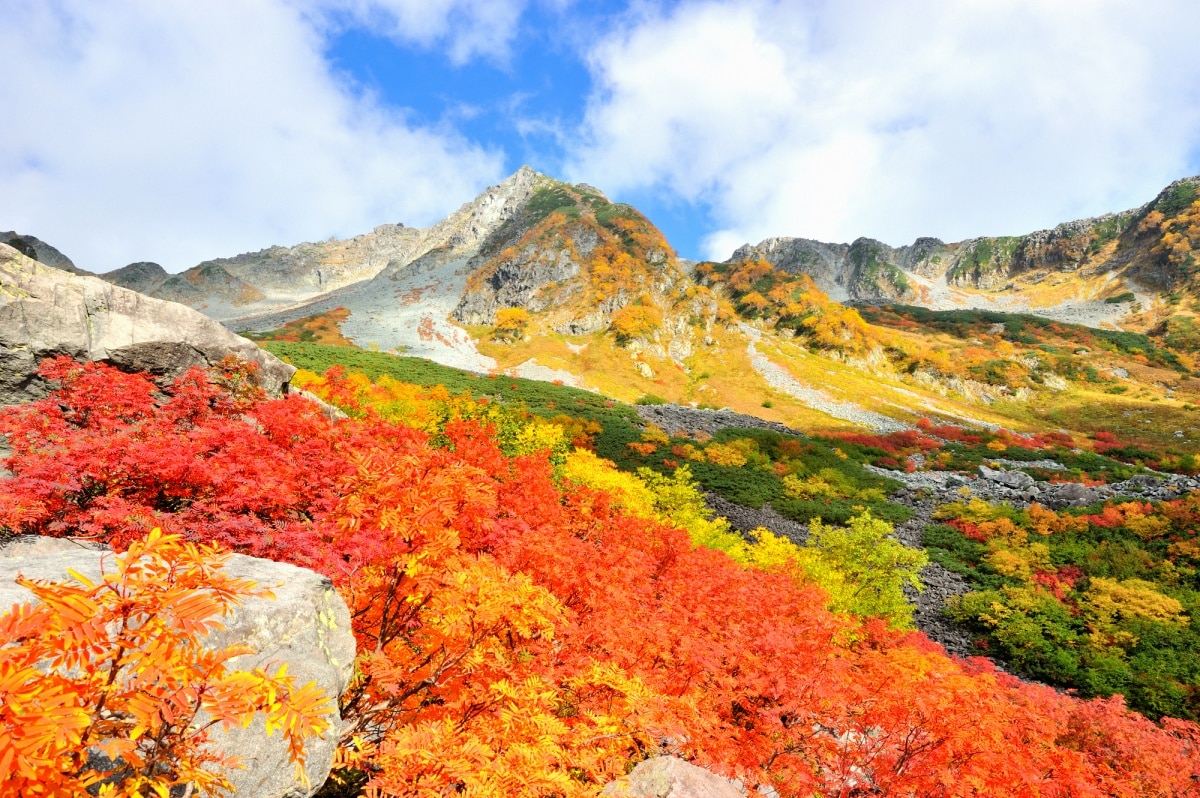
(117, 667)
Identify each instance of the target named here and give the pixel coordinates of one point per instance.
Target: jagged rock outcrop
(1017, 480)
(1069, 494)
(825, 263)
(924, 257)
(864, 269)
(518, 283)
(876, 270)
(46, 312)
(577, 259)
(1142, 234)
(459, 271)
(305, 627)
(1068, 246)
(679, 420)
(671, 777)
(277, 277)
(512, 268)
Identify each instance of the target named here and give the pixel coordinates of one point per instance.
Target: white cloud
(176, 132)
(892, 120)
(466, 29)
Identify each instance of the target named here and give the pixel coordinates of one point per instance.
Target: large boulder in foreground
(46, 312)
(306, 626)
(671, 777)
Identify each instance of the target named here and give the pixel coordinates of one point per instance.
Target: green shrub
(650, 399)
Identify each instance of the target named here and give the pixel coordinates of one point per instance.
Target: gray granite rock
(46, 312)
(679, 420)
(1069, 494)
(142, 276)
(671, 777)
(1017, 480)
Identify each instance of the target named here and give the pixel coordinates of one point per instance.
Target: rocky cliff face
(1161, 244)
(46, 312)
(825, 263)
(273, 278)
(407, 304)
(210, 288)
(563, 252)
(864, 269)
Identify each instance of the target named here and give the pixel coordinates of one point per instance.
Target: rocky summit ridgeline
(274, 279)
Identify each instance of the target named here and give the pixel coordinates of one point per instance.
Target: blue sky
(176, 131)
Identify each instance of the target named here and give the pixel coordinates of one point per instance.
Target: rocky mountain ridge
(1066, 272)
(39, 250)
(979, 272)
(273, 279)
(406, 303)
(988, 271)
(1111, 255)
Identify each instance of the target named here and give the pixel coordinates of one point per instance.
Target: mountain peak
(524, 178)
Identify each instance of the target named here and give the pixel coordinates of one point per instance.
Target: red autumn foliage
(1109, 518)
(746, 671)
(896, 443)
(1104, 442)
(1060, 582)
(948, 432)
(970, 529)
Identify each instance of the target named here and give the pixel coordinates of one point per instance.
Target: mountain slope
(1074, 272)
(406, 304)
(544, 279)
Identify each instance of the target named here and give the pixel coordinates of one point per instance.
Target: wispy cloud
(464, 29)
(839, 119)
